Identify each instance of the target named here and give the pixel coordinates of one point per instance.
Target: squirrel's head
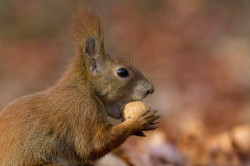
(114, 81)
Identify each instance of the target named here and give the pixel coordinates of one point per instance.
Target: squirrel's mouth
(122, 106)
(115, 110)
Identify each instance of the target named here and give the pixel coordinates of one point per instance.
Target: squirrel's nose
(151, 90)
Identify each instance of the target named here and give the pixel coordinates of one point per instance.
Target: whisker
(153, 79)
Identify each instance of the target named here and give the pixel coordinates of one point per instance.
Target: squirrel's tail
(86, 23)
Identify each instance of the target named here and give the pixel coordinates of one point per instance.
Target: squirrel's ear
(91, 48)
(93, 54)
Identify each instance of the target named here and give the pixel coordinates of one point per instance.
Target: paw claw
(154, 123)
(150, 128)
(140, 134)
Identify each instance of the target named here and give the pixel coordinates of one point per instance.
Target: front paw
(144, 122)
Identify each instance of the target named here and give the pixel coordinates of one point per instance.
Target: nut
(133, 109)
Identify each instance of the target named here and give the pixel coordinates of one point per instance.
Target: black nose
(151, 90)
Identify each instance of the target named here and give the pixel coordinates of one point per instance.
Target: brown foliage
(197, 53)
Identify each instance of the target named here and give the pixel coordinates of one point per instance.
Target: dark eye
(122, 72)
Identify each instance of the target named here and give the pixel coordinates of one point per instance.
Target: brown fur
(68, 122)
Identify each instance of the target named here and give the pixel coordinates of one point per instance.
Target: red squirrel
(68, 122)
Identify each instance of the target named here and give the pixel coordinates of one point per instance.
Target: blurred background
(196, 52)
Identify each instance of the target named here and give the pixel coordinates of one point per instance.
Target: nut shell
(133, 109)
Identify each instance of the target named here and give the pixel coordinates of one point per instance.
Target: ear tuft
(86, 23)
(91, 48)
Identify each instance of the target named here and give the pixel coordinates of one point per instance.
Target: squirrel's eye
(122, 72)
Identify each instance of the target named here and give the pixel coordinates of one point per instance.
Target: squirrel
(68, 122)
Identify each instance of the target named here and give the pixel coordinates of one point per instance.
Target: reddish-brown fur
(68, 122)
